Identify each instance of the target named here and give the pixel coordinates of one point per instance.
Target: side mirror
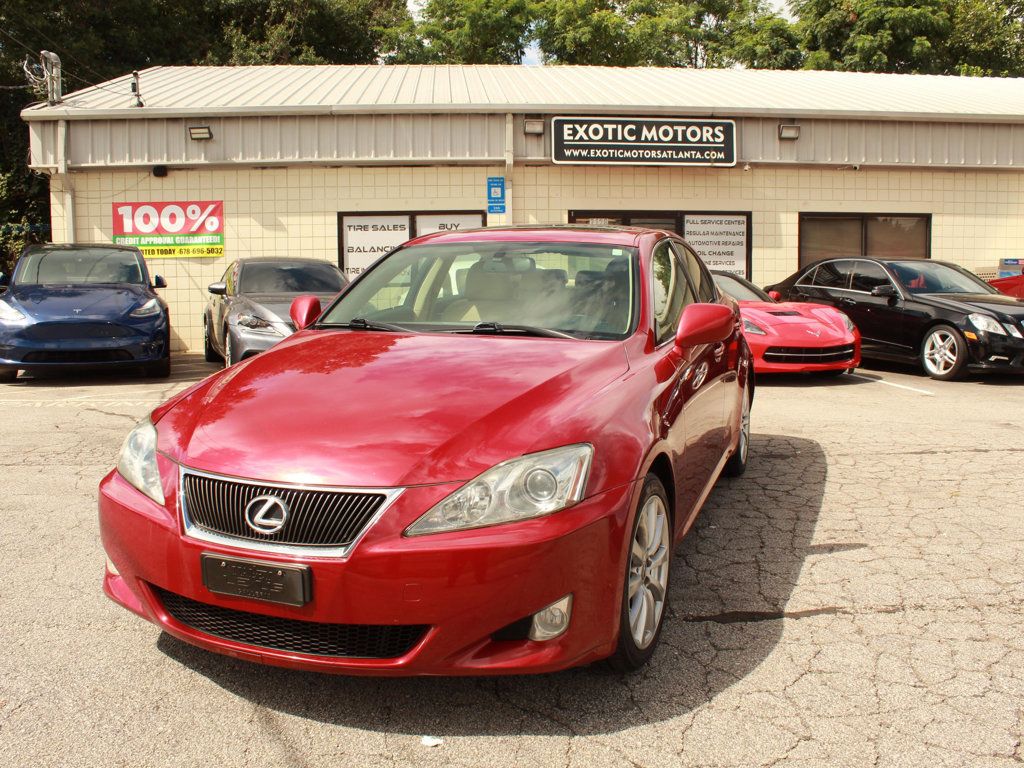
(218, 289)
(704, 324)
(774, 295)
(159, 282)
(887, 289)
(305, 309)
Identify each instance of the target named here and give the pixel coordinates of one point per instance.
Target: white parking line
(892, 384)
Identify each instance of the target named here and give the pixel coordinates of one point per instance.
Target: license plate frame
(257, 579)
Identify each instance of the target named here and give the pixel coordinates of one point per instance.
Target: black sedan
(932, 312)
(248, 309)
(82, 305)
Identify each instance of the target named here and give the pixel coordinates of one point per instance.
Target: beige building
(762, 171)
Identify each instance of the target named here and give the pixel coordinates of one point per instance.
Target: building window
(897, 236)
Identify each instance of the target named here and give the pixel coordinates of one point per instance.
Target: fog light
(111, 569)
(549, 623)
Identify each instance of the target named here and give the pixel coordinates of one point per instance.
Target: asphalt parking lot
(857, 598)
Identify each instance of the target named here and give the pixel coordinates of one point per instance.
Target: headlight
(9, 313)
(749, 326)
(257, 323)
(986, 323)
(531, 486)
(149, 309)
(138, 465)
(848, 322)
(1012, 330)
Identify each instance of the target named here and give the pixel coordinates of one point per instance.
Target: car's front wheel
(944, 353)
(737, 463)
(645, 586)
(8, 375)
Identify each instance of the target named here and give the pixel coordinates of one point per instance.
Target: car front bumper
(992, 352)
(801, 362)
(63, 345)
(461, 588)
(246, 342)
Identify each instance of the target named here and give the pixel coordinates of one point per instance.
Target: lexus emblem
(266, 514)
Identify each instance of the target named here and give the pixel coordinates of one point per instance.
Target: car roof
(282, 260)
(555, 233)
(78, 247)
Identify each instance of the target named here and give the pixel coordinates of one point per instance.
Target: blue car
(82, 305)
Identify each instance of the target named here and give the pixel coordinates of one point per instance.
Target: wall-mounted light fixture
(534, 126)
(200, 132)
(789, 131)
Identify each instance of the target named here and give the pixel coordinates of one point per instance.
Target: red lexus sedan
(477, 460)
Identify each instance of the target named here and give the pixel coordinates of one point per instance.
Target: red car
(478, 459)
(793, 337)
(1011, 286)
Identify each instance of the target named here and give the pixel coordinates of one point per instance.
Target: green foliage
(466, 32)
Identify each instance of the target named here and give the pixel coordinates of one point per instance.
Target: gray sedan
(248, 309)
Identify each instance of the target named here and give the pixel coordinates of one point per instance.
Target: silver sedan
(248, 309)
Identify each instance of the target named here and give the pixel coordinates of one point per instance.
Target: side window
(868, 275)
(672, 292)
(833, 274)
(230, 278)
(702, 281)
(807, 278)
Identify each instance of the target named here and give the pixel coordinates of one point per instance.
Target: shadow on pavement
(184, 368)
(732, 577)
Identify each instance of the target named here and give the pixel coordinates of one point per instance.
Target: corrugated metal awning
(171, 92)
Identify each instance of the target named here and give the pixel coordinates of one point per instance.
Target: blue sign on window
(495, 194)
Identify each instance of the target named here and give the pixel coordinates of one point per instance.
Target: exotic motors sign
(161, 230)
(647, 141)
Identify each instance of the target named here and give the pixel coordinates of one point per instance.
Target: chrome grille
(321, 518)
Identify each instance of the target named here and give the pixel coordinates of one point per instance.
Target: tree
(664, 33)
(760, 39)
(874, 35)
(986, 38)
(311, 32)
(466, 32)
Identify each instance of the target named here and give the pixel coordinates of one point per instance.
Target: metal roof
(328, 90)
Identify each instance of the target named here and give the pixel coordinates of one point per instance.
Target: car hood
(368, 409)
(274, 306)
(996, 303)
(779, 316)
(80, 302)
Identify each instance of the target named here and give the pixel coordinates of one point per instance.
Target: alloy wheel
(648, 572)
(745, 424)
(940, 352)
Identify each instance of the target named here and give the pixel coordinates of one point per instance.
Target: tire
(8, 375)
(943, 353)
(209, 352)
(161, 369)
(737, 463)
(228, 357)
(646, 577)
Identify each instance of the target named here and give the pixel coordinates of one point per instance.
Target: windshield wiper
(490, 327)
(362, 324)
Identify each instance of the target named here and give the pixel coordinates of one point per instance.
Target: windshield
(739, 289)
(581, 289)
(289, 277)
(933, 277)
(82, 266)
